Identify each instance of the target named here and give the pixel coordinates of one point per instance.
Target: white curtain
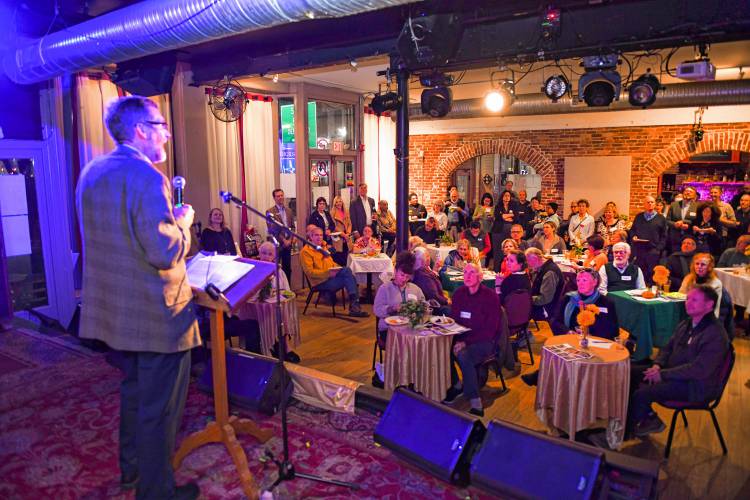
(258, 136)
(379, 160)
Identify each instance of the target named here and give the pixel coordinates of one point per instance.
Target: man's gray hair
(124, 113)
(623, 245)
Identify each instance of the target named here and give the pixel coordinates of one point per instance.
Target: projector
(697, 71)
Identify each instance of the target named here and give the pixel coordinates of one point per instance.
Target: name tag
(465, 315)
(411, 296)
(692, 214)
(604, 309)
(554, 250)
(626, 278)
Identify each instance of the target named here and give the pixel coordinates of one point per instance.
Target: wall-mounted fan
(227, 100)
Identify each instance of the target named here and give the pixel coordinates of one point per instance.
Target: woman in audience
(216, 237)
(609, 223)
(517, 277)
(595, 255)
(343, 223)
(429, 282)
(438, 213)
(702, 273)
(459, 257)
(506, 214)
(322, 218)
(549, 242)
(483, 213)
(386, 226)
(619, 236)
(509, 245)
(661, 206)
(707, 229)
(367, 243)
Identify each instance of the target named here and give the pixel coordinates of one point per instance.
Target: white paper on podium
(221, 270)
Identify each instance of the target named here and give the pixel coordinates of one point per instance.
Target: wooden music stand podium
(225, 428)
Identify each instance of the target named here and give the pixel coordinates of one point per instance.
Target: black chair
(726, 313)
(679, 407)
(314, 289)
(379, 344)
(494, 361)
(518, 307)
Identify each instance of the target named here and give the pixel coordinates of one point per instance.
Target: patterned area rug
(59, 412)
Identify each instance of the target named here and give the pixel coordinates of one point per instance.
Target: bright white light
(494, 101)
(341, 131)
(276, 78)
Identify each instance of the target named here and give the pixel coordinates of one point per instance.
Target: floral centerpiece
(661, 277)
(415, 311)
(586, 318)
(445, 239)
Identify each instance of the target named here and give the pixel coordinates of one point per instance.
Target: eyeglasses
(156, 123)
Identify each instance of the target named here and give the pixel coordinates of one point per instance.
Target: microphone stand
(286, 468)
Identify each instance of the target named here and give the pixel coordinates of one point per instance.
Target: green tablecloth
(451, 283)
(651, 323)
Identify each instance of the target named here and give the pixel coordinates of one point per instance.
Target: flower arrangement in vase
(661, 278)
(586, 318)
(445, 239)
(415, 311)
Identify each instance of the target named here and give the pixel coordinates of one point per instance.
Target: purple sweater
(480, 312)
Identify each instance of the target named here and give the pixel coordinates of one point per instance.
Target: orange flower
(586, 318)
(661, 275)
(592, 308)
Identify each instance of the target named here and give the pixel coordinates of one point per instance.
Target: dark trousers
(152, 398)
(343, 279)
(643, 394)
(468, 358)
(285, 253)
(647, 260)
(496, 239)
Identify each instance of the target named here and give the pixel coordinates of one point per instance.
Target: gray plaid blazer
(136, 295)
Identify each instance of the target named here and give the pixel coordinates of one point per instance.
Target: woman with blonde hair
(609, 223)
(343, 224)
(702, 273)
(459, 257)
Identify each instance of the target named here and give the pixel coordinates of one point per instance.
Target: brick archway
(682, 148)
(526, 152)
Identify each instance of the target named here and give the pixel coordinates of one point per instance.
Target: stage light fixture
(642, 92)
(390, 101)
(436, 102)
(555, 87)
(494, 101)
(601, 83)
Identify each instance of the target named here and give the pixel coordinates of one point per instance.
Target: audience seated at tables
(459, 257)
(478, 239)
(595, 256)
(648, 237)
(476, 307)
(322, 218)
(416, 211)
(546, 290)
(620, 274)
(217, 237)
(679, 263)
(429, 281)
(549, 242)
(367, 243)
(438, 213)
(587, 292)
(323, 272)
(686, 369)
(702, 273)
(386, 224)
(736, 256)
(515, 277)
(707, 229)
(428, 232)
(484, 212)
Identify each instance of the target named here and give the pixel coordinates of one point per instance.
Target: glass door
(331, 176)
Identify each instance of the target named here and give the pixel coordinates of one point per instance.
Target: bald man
(648, 237)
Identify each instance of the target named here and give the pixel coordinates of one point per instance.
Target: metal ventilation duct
(157, 26)
(731, 92)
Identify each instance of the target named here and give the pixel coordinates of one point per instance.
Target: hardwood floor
(696, 467)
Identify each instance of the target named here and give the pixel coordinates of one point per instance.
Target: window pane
(287, 153)
(329, 122)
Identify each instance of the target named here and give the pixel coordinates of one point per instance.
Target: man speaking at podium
(136, 296)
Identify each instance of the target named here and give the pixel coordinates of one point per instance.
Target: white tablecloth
(380, 266)
(738, 285)
(439, 253)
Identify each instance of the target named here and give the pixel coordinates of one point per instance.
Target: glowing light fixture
(555, 87)
(642, 92)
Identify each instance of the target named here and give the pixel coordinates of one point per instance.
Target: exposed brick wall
(433, 158)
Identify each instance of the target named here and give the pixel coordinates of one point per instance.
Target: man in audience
(361, 210)
(455, 209)
(476, 307)
(620, 274)
(726, 212)
(428, 232)
(735, 256)
(680, 216)
(582, 224)
(525, 212)
(516, 234)
(649, 237)
(478, 239)
(509, 188)
(742, 220)
(281, 214)
(323, 272)
(416, 211)
(686, 369)
(548, 214)
(546, 290)
(679, 262)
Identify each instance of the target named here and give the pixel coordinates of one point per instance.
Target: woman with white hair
(428, 281)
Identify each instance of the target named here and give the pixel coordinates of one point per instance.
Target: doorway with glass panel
(331, 177)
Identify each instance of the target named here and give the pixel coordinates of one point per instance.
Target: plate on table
(442, 320)
(396, 320)
(675, 295)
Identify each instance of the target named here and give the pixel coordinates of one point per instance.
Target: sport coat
(273, 229)
(136, 295)
(357, 214)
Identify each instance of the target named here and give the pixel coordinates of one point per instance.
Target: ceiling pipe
(155, 26)
(679, 95)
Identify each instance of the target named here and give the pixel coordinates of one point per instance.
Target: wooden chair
(679, 407)
(314, 290)
(518, 307)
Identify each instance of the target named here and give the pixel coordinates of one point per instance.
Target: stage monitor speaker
(519, 463)
(253, 381)
(628, 478)
(430, 435)
(145, 80)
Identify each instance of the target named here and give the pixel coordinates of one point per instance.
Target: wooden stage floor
(696, 467)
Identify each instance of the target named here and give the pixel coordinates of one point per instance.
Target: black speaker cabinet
(145, 80)
(519, 463)
(430, 435)
(253, 381)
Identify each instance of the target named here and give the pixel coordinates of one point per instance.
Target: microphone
(178, 183)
